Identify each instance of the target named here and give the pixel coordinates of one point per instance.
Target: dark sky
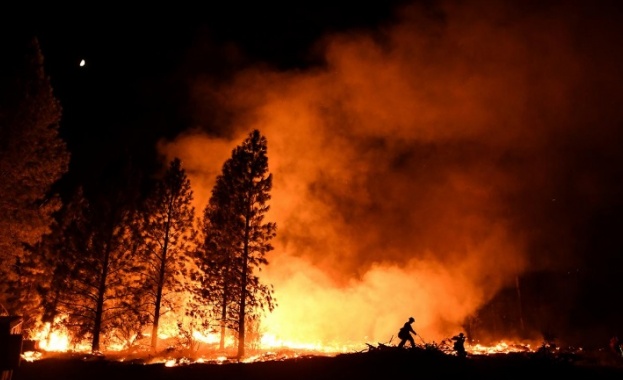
(134, 88)
(455, 146)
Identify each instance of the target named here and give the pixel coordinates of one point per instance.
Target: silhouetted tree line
(133, 256)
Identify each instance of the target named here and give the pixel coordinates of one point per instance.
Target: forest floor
(372, 364)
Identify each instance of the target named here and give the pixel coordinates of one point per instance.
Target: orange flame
(388, 196)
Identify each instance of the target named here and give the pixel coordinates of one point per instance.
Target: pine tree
(167, 234)
(33, 158)
(66, 249)
(92, 253)
(113, 216)
(237, 237)
(216, 259)
(56, 252)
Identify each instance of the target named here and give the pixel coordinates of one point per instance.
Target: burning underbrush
(179, 350)
(176, 358)
(372, 362)
(174, 354)
(177, 355)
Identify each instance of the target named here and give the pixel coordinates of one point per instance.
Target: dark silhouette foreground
(377, 364)
(405, 333)
(459, 345)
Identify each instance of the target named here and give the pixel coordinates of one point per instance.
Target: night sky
(428, 156)
(135, 86)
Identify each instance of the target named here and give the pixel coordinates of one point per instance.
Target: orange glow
(388, 197)
(501, 347)
(31, 356)
(57, 340)
(401, 168)
(269, 348)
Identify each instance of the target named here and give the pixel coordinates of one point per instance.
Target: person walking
(459, 345)
(405, 333)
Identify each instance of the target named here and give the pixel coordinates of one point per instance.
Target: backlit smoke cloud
(424, 165)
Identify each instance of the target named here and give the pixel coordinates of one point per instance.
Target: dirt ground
(361, 366)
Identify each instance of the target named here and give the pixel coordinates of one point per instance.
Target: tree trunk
(223, 319)
(101, 291)
(154, 330)
(243, 291)
(161, 277)
(99, 311)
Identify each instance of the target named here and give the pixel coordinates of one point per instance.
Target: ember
(501, 347)
(270, 351)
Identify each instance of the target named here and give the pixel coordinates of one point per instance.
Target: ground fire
(57, 344)
(446, 168)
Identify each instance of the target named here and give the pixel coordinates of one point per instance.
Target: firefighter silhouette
(405, 333)
(459, 345)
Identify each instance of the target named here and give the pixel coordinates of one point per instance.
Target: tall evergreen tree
(58, 251)
(33, 158)
(112, 218)
(69, 248)
(237, 236)
(167, 234)
(92, 253)
(217, 258)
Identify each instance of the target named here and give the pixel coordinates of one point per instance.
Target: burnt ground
(374, 364)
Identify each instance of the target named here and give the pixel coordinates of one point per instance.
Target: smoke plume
(425, 164)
